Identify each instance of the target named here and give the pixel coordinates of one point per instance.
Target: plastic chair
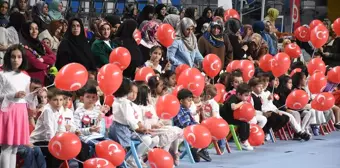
(272, 135)
(133, 152)
(99, 6)
(235, 137)
(187, 151)
(120, 5)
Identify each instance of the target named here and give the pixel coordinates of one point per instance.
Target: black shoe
(204, 154)
(195, 155)
(297, 136)
(337, 126)
(305, 136)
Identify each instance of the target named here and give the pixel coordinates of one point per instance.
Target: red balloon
(159, 158)
(121, 57)
(97, 162)
(166, 34)
(265, 62)
(317, 83)
(323, 101)
(336, 26)
(294, 71)
(233, 66)
(193, 80)
(65, 146)
(144, 74)
(137, 35)
(315, 23)
(302, 33)
(297, 100)
(177, 89)
(245, 113)
(109, 99)
(319, 36)
(212, 65)
(180, 69)
(293, 50)
(220, 92)
(111, 151)
(256, 135)
(167, 106)
(231, 13)
(218, 127)
(316, 65)
(71, 77)
(109, 78)
(280, 65)
(197, 136)
(333, 75)
(248, 70)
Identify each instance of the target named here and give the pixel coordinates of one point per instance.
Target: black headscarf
(232, 26)
(144, 15)
(113, 19)
(190, 13)
(16, 20)
(76, 47)
(203, 19)
(27, 39)
(126, 30)
(158, 11)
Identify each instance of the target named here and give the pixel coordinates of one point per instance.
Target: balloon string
(281, 107)
(78, 160)
(43, 87)
(140, 138)
(314, 52)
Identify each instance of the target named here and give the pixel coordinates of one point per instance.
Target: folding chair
(233, 129)
(272, 135)
(187, 151)
(133, 152)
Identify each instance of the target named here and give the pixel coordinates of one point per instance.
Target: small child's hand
(95, 128)
(68, 127)
(30, 145)
(78, 132)
(105, 109)
(270, 97)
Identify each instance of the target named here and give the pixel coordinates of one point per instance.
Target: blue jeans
(33, 157)
(222, 143)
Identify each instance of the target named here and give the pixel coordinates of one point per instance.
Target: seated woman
(101, 48)
(40, 15)
(53, 33)
(39, 56)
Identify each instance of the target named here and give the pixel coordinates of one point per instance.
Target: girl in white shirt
(126, 126)
(14, 97)
(156, 53)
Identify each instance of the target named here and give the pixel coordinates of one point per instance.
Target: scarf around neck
(190, 42)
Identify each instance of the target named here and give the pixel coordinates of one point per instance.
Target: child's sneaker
(204, 154)
(195, 155)
(315, 130)
(246, 146)
(268, 137)
(337, 125)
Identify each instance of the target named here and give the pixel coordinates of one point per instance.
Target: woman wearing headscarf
(102, 47)
(147, 13)
(75, 48)
(205, 18)
(53, 33)
(3, 13)
(130, 12)
(23, 7)
(125, 39)
(55, 8)
(160, 12)
(212, 41)
(272, 15)
(191, 13)
(247, 32)
(40, 15)
(232, 29)
(115, 23)
(173, 20)
(173, 10)
(184, 49)
(39, 56)
(148, 38)
(257, 47)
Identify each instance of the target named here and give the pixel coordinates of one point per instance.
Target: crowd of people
(37, 41)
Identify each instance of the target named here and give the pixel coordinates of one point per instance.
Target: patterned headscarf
(149, 32)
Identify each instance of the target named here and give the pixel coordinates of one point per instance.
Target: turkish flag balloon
(256, 135)
(323, 101)
(166, 34)
(108, 100)
(317, 83)
(180, 69)
(319, 36)
(220, 92)
(293, 50)
(315, 23)
(137, 35)
(159, 158)
(71, 77)
(65, 146)
(295, 71)
(336, 26)
(177, 89)
(297, 100)
(167, 106)
(265, 62)
(212, 65)
(144, 74)
(248, 70)
(97, 162)
(302, 33)
(333, 75)
(111, 151)
(316, 65)
(233, 65)
(121, 57)
(218, 127)
(109, 78)
(231, 13)
(193, 80)
(197, 136)
(245, 113)
(280, 64)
